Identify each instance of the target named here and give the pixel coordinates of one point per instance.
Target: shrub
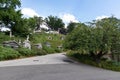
(48, 49)
(39, 52)
(25, 52)
(3, 37)
(8, 53)
(57, 50)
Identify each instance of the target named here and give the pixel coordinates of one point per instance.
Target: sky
(72, 10)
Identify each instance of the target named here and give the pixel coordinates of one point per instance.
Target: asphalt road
(65, 70)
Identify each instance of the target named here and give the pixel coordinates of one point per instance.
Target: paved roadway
(52, 67)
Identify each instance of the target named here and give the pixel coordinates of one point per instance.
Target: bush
(25, 52)
(39, 52)
(57, 50)
(8, 53)
(48, 49)
(110, 65)
(3, 37)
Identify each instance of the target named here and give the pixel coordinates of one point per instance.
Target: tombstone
(27, 44)
(38, 46)
(12, 44)
(47, 44)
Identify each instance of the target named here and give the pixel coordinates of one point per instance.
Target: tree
(38, 21)
(76, 40)
(11, 17)
(8, 12)
(71, 26)
(54, 22)
(63, 31)
(34, 22)
(96, 40)
(111, 28)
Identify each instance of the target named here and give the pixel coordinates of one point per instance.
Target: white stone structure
(38, 46)
(26, 43)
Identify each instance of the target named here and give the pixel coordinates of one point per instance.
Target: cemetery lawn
(53, 40)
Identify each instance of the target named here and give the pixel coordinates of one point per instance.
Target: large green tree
(8, 11)
(25, 26)
(54, 22)
(96, 40)
(11, 16)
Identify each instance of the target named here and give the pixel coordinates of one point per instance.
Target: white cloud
(67, 18)
(101, 17)
(28, 12)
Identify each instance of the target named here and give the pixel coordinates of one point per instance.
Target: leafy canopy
(96, 40)
(54, 22)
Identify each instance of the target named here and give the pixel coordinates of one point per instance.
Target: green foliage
(110, 65)
(43, 37)
(97, 40)
(8, 53)
(38, 21)
(10, 4)
(77, 39)
(38, 51)
(58, 50)
(12, 18)
(8, 11)
(21, 28)
(6, 37)
(3, 37)
(49, 49)
(25, 52)
(54, 22)
(71, 26)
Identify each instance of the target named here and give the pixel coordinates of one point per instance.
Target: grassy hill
(54, 39)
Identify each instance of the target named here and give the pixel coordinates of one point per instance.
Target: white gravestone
(26, 43)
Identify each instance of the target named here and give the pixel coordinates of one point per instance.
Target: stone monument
(26, 43)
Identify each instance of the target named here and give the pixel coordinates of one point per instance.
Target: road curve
(58, 58)
(52, 67)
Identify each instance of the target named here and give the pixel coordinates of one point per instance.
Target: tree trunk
(97, 58)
